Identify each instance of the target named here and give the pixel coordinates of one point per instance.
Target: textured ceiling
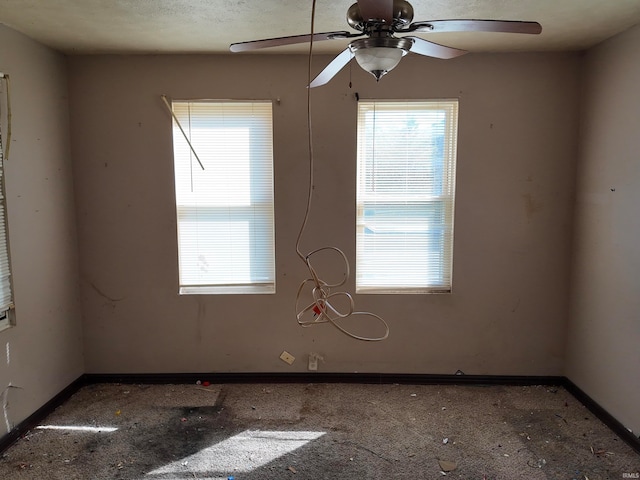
(209, 26)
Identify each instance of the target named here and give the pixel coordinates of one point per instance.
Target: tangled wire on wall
(324, 305)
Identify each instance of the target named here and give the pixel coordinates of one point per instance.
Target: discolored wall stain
(531, 206)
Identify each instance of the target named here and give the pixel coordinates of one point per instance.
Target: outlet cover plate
(287, 357)
(313, 362)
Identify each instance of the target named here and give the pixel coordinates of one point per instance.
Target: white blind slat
(225, 212)
(405, 195)
(6, 294)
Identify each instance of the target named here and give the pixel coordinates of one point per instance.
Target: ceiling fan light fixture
(380, 55)
(378, 60)
(380, 20)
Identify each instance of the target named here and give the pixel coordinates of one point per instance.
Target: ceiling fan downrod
(399, 17)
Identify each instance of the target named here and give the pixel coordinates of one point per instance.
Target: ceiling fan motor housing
(402, 16)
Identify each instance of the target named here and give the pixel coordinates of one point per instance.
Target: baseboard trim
(324, 377)
(319, 377)
(605, 417)
(36, 417)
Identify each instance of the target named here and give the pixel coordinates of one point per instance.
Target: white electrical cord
(321, 310)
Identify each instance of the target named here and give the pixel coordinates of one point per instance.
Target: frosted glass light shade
(378, 60)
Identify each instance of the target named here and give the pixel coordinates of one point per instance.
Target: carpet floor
(320, 431)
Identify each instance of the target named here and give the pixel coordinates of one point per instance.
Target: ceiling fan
(381, 51)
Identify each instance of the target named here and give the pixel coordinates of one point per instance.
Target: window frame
(367, 281)
(261, 210)
(7, 314)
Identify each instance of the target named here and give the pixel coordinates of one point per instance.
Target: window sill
(401, 291)
(228, 289)
(7, 319)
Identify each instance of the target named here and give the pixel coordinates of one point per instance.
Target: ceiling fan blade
(333, 68)
(430, 49)
(506, 26)
(292, 40)
(376, 10)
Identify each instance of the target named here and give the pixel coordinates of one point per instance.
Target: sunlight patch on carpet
(77, 428)
(243, 452)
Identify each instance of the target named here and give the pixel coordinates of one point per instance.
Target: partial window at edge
(6, 292)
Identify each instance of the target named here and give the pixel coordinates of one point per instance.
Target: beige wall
(516, 160)
(604, 335)
(516, 167)
(45, 345)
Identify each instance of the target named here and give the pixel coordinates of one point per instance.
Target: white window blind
(6, 294)
(405, 196)
(225, 212)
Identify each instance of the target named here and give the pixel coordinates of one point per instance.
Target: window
(225, 211)
(405, 196)
(6, 294)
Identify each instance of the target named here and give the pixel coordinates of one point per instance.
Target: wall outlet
(287, 357)
(313, 362)
(314, 358)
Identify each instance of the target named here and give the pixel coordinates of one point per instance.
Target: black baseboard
(605, 417)
(323, 377)
(319, 377)
(36, 417)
